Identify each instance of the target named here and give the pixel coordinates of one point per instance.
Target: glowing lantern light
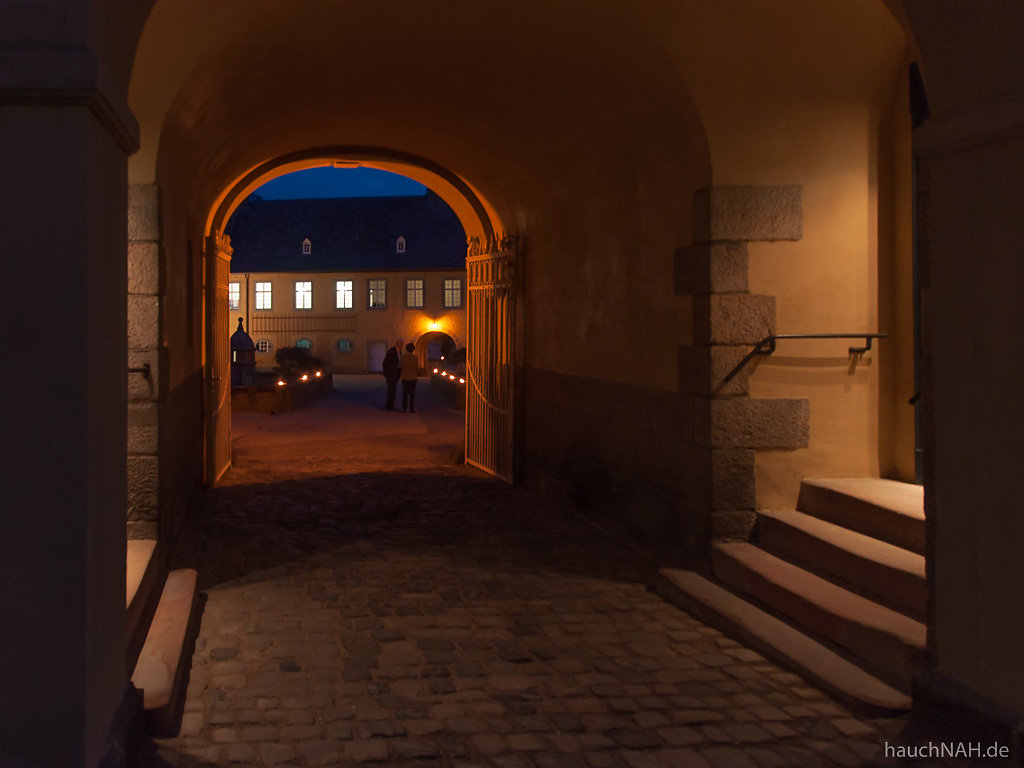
(305, 377)
(318, 374)
(280, 382)
(462, 381)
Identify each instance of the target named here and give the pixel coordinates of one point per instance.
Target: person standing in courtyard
(410, 372)
(392, 370)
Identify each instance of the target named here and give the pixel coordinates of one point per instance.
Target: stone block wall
(144, 363)
(728, 321)
(635, 470)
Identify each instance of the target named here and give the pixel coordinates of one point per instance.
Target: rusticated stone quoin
(143, 321)
(775, 423)
(733, 483)
(142, 487)
(733, 525)
(144, 286)
(143, 267)
(142, 428)
(702, 370)
(733, 318)
(141, 388)
(750, 213)
(712, 268)
(143, 212)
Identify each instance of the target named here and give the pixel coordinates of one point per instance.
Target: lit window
(263, 296)
(453, 293)
(303, 295)
(307, 247)
(264, 346)
(400, 245)
(343, 294)
(234, 296)
(304, 344)
(413, 293)
(345, 345)
(377, 292)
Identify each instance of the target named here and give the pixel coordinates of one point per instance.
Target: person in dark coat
(391, 369)
(410, 370)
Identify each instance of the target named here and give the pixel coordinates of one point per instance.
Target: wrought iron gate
(491, 358)
(217, 358)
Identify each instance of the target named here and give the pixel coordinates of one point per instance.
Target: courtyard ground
(370, 601)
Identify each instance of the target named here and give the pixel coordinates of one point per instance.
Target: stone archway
(434, 347)
(477, 218)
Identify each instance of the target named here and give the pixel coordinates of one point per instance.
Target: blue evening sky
(339, 182)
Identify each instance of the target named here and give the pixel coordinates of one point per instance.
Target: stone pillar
(62, 462)
(970, 188)
(144, 285)
(728, 320)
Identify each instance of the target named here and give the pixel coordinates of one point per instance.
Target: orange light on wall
(434, 325)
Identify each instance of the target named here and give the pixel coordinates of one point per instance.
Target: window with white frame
(234, 295)
(303, 294)
(263, 296)
(307, 247)
(377, 293)
(264, 346)
(400, 245)
(414, 294)
(343, 294)
(453, 293)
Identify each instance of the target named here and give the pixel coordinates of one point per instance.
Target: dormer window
(307, 247)
(400, 245)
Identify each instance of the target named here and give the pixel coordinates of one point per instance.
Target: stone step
(143, 582)
(887, 643)
(787, 646)
(883, 509)
(162, 667)
(140, 553)
(888, 574)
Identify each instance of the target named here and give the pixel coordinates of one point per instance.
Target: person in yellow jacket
(410, 371)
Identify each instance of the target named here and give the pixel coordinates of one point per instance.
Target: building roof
(352, 233)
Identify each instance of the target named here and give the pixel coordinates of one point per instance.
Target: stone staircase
(835, 590)
(162, 611)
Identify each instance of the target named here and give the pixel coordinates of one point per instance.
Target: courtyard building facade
(344, 277)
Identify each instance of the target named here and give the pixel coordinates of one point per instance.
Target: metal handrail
(769, 341)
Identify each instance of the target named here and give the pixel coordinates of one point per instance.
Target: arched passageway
(591, 149)
(435, 347)
(479, 225)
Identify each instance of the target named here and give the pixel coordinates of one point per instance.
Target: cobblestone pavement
(411, 612)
